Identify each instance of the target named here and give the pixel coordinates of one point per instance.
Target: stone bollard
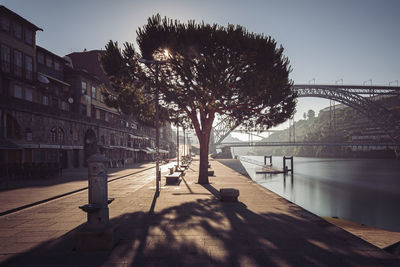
(96, 233)
(229, 194)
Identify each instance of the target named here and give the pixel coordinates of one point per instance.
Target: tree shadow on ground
(207, 232)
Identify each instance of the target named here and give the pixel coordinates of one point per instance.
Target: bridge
(269, 144)
(359, 97)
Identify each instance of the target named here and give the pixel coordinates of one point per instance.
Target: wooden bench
(173, 178)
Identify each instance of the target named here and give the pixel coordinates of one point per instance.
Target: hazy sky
(353, 40)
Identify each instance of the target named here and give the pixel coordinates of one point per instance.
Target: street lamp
(184, 144)
(157, 63)
(177, 145)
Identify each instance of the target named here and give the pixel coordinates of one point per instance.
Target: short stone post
(96, 233)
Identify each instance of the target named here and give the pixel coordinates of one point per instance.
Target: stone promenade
(185, 225)
(26, 192)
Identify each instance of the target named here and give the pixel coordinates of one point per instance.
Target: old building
(52, 110)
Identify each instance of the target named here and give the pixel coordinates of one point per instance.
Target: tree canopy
(310, 114)
(205, 71)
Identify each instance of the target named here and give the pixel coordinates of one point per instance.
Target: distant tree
(304, 115)
(209, 71)
(311, 114)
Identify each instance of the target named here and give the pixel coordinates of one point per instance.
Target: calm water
(361, 190)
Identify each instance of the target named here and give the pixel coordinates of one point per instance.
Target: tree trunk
(204, 140)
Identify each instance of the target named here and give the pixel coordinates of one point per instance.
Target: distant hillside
(349, 125)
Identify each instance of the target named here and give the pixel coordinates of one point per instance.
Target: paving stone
(187, 225)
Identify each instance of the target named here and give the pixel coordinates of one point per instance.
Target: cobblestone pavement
(185, 225)
(29, 192)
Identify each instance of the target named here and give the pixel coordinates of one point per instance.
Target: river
(366, 191)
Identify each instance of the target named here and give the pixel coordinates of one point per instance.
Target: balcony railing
(17, 71)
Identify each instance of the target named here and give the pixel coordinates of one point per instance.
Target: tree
(310, 114)
(209, 72)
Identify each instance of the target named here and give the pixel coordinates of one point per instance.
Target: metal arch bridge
(349, 95)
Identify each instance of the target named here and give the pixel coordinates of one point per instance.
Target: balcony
(17, 72)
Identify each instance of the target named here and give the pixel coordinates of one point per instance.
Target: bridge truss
(349, 95)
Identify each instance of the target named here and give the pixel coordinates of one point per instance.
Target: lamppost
(157, 63)
(184, 144)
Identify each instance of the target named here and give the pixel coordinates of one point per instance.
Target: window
(97, 114)
(57, 65)
(93, 92)
(64, 106)
(102, 115)
(28, 135)
(112, 140)
(29, 36)
(61, 136)
(40, 57)
(17, 91)
(83, 110)
(75, 135)
(53, 135)
(5, 23)
(49, 62)
(17, 30)
(13, 130)
(28, 67)
(101, 98)
(17, 63)
(129, 141)
(45, 100)
(5, 58)
(29, 94)
(84, 88)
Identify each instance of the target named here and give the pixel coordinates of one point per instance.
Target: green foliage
(211, 70)
(310, 114)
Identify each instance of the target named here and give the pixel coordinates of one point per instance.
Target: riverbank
(378, 237)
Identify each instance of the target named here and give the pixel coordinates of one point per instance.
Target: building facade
(52, 110)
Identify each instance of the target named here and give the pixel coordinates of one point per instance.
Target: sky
(325, 40)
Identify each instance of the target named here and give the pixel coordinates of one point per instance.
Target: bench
(173, 178)
(181, 170)
(184, 166)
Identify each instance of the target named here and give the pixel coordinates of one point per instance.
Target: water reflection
(361, 190)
